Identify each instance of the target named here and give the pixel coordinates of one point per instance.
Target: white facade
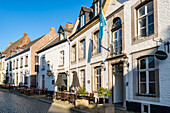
(53, 56)
(143, 49)
(2, 70)
(19, 73)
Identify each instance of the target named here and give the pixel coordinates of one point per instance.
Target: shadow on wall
(135, 73)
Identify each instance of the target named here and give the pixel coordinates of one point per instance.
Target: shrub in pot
(102, 92)
(82, 91)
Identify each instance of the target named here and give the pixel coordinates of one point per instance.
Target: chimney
(25, 34)
(11, 43)
(69, 25)
(52, 29)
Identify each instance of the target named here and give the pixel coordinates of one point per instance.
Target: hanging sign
(161, 55)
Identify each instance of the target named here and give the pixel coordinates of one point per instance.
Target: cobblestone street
(11, 103)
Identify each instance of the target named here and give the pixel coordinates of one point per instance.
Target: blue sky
(35, 17)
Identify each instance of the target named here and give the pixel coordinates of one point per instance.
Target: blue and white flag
(102, 24)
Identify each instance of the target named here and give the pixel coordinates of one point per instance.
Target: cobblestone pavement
(11, 103)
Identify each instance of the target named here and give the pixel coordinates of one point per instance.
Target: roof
(52, 44)
(10, 47)
(27, 46)
(67, 29)
(86, 9)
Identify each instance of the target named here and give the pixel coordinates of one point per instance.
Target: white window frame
(43, 63)
(83, 77)
(147, 70)
(142, 17)
(97, 82)
(96, 43)
(74, 53)
(119, 46)
(62, 57)
(82, 49)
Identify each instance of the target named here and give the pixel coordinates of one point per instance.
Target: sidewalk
(66, 105)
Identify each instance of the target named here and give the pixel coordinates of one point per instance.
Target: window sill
(145, 95)
(73, 62)
(82, 59)
(137, 40)
(42, 69)
(96, 54)
(61, 65)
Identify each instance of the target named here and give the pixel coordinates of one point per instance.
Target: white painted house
(54, 60)
(136, 77)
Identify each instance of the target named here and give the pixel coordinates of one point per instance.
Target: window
(21, 77)
(17, 64)
(74, 53)
(97, 78)
(21, 63)
(96, 8)
(26, 61)
(13, 64)
(61, 57)
(43, 63)
(82, 20)
(25, 80)
(147, 76)
(36, 63)
(117, 42)
(96, 44)
(82, 49)
(10, 66)
(13, 78)
(16, 78)
(61, 35)
(83, 78)
(145, 20)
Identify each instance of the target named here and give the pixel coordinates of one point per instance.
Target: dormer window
(96, 7)
(61, 35)
(11, 53)
(82, 20)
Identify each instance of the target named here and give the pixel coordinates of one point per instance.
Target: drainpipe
(69, 61)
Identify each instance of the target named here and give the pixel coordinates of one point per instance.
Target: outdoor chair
(64, 96)
(72, 98)
(58, 95)
(91, 98)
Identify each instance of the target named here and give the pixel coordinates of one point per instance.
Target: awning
(60, 82)
(75, 82)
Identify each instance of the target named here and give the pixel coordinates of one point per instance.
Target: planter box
(105, 108)
(82, 104)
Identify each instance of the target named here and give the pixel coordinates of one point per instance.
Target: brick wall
(34, 48)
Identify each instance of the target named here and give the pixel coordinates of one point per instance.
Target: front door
(117, 92)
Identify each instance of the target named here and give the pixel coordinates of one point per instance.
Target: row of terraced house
(123, 60)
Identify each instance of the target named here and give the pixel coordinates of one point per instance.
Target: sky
(35, 17)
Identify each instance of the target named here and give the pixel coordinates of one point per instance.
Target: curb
(46, 101)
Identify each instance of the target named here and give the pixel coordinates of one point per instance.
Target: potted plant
(82, 91)
(82, 103)
(102, 92)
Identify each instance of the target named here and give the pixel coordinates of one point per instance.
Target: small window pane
(151, 76)
(151, 62)
(151, 29)
(152, 88)
(150, 7)
(143, 87)
(142, 11)
(143, 64)
(143, 32)
(143, 76)
(150, 19)
(142, 22)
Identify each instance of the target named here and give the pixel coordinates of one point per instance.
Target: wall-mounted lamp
(67, 72)
(48, 62)
(125, 60)
(103, 66)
